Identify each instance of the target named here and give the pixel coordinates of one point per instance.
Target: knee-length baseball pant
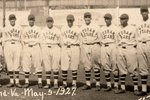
(12, 52)
(127, 60)
(51, 57)
(31, 56)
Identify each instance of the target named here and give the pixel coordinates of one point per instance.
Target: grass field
(45, 94)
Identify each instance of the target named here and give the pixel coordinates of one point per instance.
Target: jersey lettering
(31, 34)
(89, 32)
(108, 34)
(144, 28)
(125, 34)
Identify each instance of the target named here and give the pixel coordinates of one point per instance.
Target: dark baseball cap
(12, 17)
(49, 19)
(31, 17)
(108, 16)
(124, 16)
(87, 14)
(144, 9)
(70, 17)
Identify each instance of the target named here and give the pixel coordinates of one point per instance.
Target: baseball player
(32, 51)
(50, 45)
(12, 50)
(143, 37)
(70, 50)
(127, 53)
(90, 50)
(108, 35)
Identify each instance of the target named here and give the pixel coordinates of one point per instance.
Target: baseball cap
(31, 17)
(12, 17)
(124, 16)
(87, 14)
(70, 17)
(49, 19)
(108, 15)
(144, 9)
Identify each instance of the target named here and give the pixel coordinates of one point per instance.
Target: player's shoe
(98, 88)
(86, 87)
(18, 85)
(26, 85)
(56, 86)
(115, 89)
(40, 85)
(120, 91)
(141, 93)
(10, 85)
(47, 86)
(108, 88)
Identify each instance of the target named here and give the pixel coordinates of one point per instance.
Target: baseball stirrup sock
(56, 77)
(97, 77)
(27, 77)
(48, 76)
(108, 80)
(64, 76)
(74, 77)
(39, 74)
(122, 79)
(88, 77)
(135, 82)
(17, 76)
(11, 76)
(144, 83)
(116, 80)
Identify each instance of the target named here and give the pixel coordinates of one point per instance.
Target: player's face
(31, 23)
(87, 20)
(145, 14)
(108, 21)
(50, 24)
(12, 22)
(124, 21)
(70, 23)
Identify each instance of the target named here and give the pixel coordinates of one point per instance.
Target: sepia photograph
(74, 50)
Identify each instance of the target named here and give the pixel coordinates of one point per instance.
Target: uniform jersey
(50, 36)
(89, 33)
(108, 34)
(70, 34)
(31, 35)
(143, 30)
(12, 33)
(127, 36)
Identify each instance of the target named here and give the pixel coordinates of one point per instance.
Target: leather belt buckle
(12, 42)
(49, 46)
(124, 47)
(106, 45)
(68, 46)
(30, 45)
(144, 42)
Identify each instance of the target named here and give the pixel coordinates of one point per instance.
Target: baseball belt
(125, 47)
(92, 43)
(69, 46)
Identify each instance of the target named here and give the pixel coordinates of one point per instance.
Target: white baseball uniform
(143, 47)
(127, 53)
(31, 49)
(108, 36)
(50, 41)
(70, 49)
(12, 46)
(90, 48)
